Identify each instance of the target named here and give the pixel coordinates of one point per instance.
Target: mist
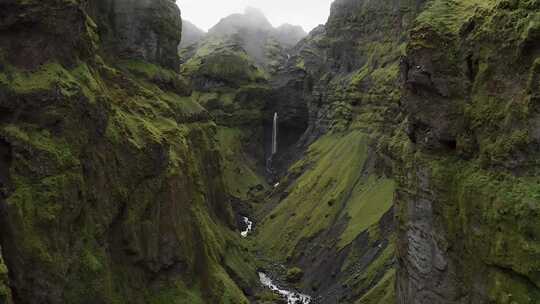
(306, 13)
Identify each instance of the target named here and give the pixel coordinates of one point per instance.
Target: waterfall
(269, 167)
(274, 134)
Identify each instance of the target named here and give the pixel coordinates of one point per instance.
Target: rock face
(468, 195)
(338, 95)
(140, 29)
(111, 184)
(58, 30)
(346, 72)
(408, 160)
(460, 138)
(234, 89)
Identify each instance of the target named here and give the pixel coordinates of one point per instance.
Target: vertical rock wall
(149, 30)
(468, 198)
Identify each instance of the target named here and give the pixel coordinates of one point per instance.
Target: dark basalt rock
(472, 121)
(34, 32)
(149, 30)
(107, 173)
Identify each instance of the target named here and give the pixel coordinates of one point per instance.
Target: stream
(291, 296)
(249, 227)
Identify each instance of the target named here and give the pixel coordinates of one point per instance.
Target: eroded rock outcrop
(111, 185)
(149, 30)
(468, 192)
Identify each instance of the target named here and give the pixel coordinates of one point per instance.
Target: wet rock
(454, 96)
(148, 30)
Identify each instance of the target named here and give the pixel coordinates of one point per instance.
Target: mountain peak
(253, 11)
(252, 18)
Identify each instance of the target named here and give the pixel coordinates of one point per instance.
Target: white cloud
(307, 13)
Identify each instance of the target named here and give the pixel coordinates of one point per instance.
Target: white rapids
(291, 296)
(249, 226)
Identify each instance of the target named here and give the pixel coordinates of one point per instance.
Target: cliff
(407, 168)
(468, 183)
(338, 95)
(111, 181)
(142, 29)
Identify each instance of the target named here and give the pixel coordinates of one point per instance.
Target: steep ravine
(133, 169)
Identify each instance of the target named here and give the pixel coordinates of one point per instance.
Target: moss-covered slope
(333, 219)
(234, 90)
(333, 209)
(111, 183)
(468, 187)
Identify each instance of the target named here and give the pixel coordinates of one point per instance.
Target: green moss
(318, 195)
(381, 264)
(448, 16)
(383, 292)
(241, 264)
(5, 291)
(178, 293)
(301, 64)
(360, 76)
(294, 275)
(87, 81)
(268, 297)
(44, 143)
(45, 78)
(237, 166)
(147, 70)
(214, 62)
(327, 192)
(231, 294)
(90, 210)
(506, 206)
(368, 203)
(509, 289)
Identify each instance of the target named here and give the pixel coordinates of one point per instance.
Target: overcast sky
(307, 13)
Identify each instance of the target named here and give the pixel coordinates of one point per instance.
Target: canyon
(391, 155)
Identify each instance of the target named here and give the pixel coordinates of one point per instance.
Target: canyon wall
(407, 169)
(111, 182)
(468, 193)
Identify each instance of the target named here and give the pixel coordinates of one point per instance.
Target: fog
(306, 13)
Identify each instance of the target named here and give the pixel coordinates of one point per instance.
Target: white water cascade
(249, 226)
(274, 134)
(291, 296)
